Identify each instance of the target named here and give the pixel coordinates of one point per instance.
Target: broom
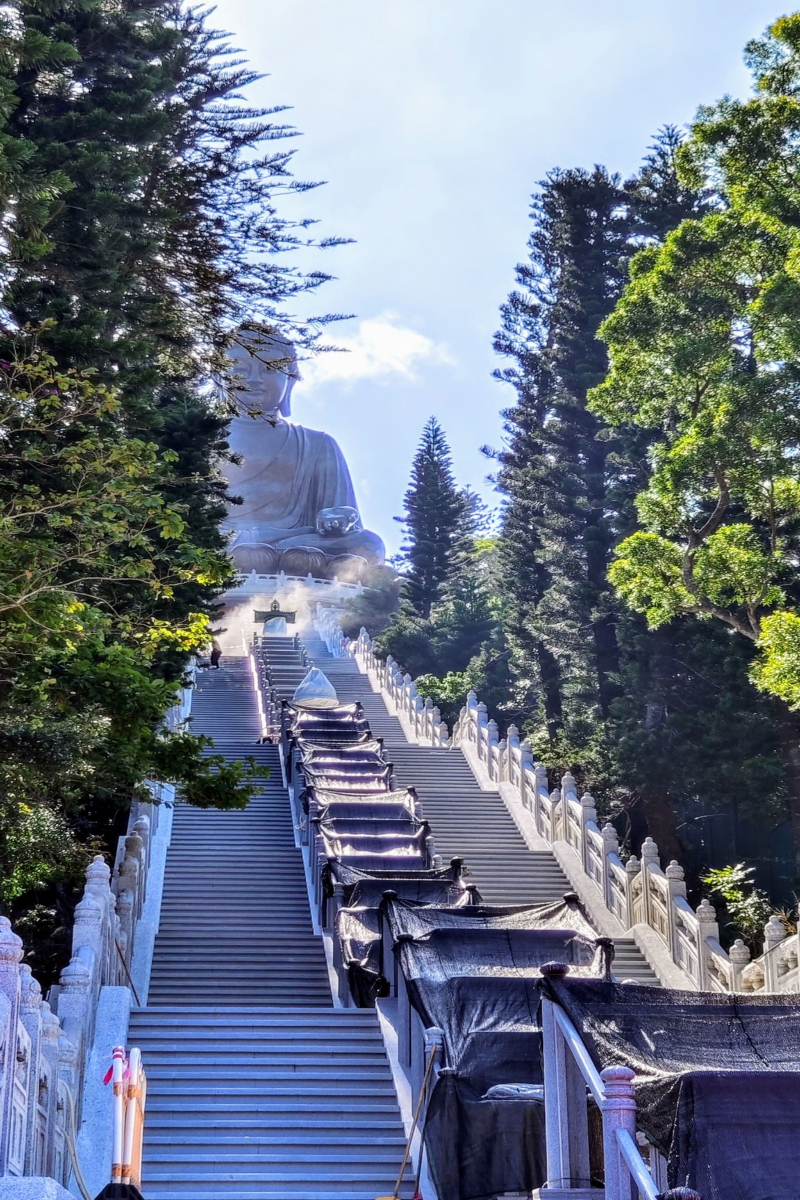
(425, 1080)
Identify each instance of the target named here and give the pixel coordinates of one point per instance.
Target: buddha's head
(266, 371)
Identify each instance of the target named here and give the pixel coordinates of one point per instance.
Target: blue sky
(432, 121)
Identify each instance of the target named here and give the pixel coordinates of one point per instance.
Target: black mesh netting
(366, 751)
(388, 806)
(301, 720)
(480, 986)
(358, 927)
(717, 1079)
(371, 780)
(374, 825)
(379, 851)
(414, 921)
(345, 873)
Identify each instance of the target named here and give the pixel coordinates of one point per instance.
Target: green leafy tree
(749, 907)
(704, 352)
(642, 729)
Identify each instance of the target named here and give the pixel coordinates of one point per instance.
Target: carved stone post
(75, 1005)
(10, 958)
(675, 887)
(649, 860)
(632, 869)
(739, 955)
(30, 1015)
(555, 814)
(48, 1059)
(541, 788)
(481, 731)
(588, 813)
(619, 1115)
(512, 753)
(127, 924)
(526, 764)
(708, 928)
(774, 933)
(610, 846)
(502, 761)
(438, 729)
(427, 720)
(569, 787)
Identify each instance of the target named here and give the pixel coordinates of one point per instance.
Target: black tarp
(301, 719)
(717, 1079)
(344, 873)
(387, 806)
(479, 1148)
(372, 781)
(380, 851)
(358, 928)
(367, 751)
(372, 826)
(480, 986)
(412, 920)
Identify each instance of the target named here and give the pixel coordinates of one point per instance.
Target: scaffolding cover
(717, 1079)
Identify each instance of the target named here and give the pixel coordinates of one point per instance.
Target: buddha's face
(266, 370)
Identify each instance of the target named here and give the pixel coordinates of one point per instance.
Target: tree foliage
(140, 200)
(704, 353)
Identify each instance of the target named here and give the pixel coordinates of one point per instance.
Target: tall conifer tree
(433, 522)
(626, 706)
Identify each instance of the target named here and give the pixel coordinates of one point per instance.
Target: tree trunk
(662, 824)
(789, 734)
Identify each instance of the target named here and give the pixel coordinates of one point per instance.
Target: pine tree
(554, 470)
(140, 219)
(621, 705)
(433, 523)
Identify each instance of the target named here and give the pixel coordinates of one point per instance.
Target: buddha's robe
(287, 475)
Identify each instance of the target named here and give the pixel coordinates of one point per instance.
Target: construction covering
(717, 1079)
(358, 928)
(479, 983)
(392, 806)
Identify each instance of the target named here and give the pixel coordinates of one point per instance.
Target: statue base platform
(255, 593)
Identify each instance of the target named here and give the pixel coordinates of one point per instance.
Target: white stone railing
(334, 589)
(44, 1051)
(422, 717)
(638, 893)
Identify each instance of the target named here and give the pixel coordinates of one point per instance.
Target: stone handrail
(637, 892)
(421, 716)
(44, 1047)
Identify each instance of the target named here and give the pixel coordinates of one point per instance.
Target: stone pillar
(676, 887)
(774, 933)
(739, 955)
(708, 928)
(30, 1015)
(619, 1115)
(10, 958)
(610, 847)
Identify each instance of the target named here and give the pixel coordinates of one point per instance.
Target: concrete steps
(465, 821)
(258, 1089)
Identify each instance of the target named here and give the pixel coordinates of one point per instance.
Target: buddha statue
(298, 511)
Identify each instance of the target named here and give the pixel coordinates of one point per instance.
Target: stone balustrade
(637, 893)
(45, 1047)
(421, 716)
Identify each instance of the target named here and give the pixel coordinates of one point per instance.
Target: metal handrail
(637, 1166)
(580, 1054)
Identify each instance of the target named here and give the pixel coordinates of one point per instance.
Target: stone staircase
(258, 1088)
(465, 820)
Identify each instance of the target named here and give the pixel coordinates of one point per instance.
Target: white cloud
(381, 347)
